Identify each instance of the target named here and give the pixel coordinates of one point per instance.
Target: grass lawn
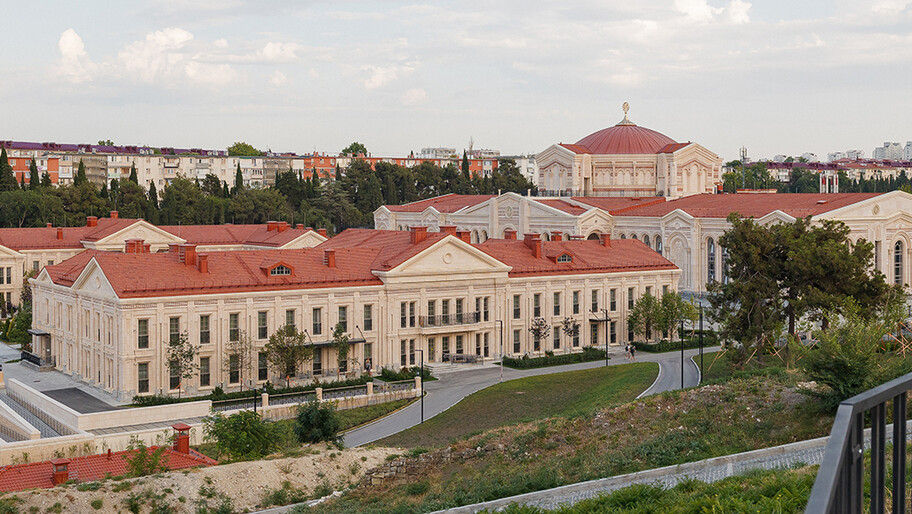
(717, 366)
(526, 399)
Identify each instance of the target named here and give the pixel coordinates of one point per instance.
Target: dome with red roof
(625, 138)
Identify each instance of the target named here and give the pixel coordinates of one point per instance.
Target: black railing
(840, 480)
(443, 320)
(38, 361)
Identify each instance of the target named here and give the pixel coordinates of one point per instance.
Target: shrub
(525, 362)
(241, 436)
(97, 503)
(390, 375)
(219, 394)
(143, 460)
(316, 422)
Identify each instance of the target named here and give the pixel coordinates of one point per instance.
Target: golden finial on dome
(626, 120)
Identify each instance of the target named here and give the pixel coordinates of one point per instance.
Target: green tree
(182, 359)
(80, 174)
(241, 436)
(133, 177)
(317, 422)
(105, 142)
(7, 177)
(342, 344)
(674, 310)
(354, 149)
(153, 195)
(465, 165)
(180, 202)
(132, 201)
(645, 316)
(211, 185)
(243, 149)
(34, 177)
(286, 351)
(238, 181)
(46, 180)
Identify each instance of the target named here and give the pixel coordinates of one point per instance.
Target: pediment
(595, 215)
(554, 153)
(142, 229)
(308, 239)
(774, 217)
(677, 219)
(479, 208)
(9, 252)
(93, 282)
(448, 258)
(695, 151)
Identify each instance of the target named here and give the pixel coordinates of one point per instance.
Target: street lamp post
(682, 354)
(422, 382)
(701, 342)
(607, 329)
(501, 347)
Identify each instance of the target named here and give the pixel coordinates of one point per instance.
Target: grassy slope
(716, 366)
(531, 398)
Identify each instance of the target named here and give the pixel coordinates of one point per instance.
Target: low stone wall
(57, 415)
(143, 415)
(14, 426)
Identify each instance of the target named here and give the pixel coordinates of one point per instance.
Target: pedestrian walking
(627, 351)
(633, 353)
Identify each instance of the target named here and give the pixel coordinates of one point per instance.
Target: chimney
(329, 258)
(59, 232)
(114, 215)
(417, 234)
(147, 248)
(50, 225)
(299, 226)
(465, 235)
(271, 225)
(576, 238)
(181, 437)
(174, 248)
(321, 231)
(283, 226)
(91, 221)
(203, 261)
(534, 242)
(510, 234)
(61, 473)
(605, 239)
(448, 229)
(187, 254)
(557, 235)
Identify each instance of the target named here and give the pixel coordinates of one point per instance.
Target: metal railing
(444, 320)
(388, 387)
(38, 361)
(840, 480)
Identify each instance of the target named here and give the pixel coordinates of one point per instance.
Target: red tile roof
(564, 205)
(579, 149)
(672, 147)
(797, 205)
(233, 234)
(588, 257)
(446, 203)
(392, 246)
(625, 139)
(86, 469)
(616, 204)
(41, 238)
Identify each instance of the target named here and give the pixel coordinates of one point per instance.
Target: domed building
(628, 160)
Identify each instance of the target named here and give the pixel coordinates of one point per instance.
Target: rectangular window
(411, 352)
(234, 369)
(593, 334)
(445, 342)
(403, 352)
(536, 305)
(204, 329)
(649, 290)
(317, 321)
(555, 336)
(262, 367)
(431, 347)
(629, 334)
(174, 375)
(174, 330)
(594, 301)
(576, 339)
(142, 333)
(445, 309)
(486, 340)
(484, 308)
(411, 314)
(343, 317)
(318, 361)
(431, 312)
(289, 317)
(459, 311)
(516, 307)
(478, 304)
(368, 355)
(664, 290)
(629, 298)
(613, 332)
(403, 316)
(536, 343)
(516, 336)
(35, 265)
(142, 375)
(576, 295)
(368, 317)
(557, 304)
(262, 328)
(459, 348)
(205, 377)
(477, 343)
(234, 330)
(612, 299)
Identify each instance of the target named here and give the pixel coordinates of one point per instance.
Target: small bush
(316, 422)
(389, 375)
(97, 503)
(241, 436)
(525, 362)
(285, 495)
(145, 461)
(417, 488)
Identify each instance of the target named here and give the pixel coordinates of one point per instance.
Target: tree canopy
(243, 149)
(354, 149)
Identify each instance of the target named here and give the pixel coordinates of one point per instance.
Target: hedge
(390, 375)
(588, 354)
(709, 339)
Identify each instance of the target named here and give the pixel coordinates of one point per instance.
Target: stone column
(418, 388)
(319, 393)
(265, 401)
(370, 389)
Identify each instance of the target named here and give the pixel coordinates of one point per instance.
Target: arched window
(623, 236)
(898, 263)
(483, 236)
(474, 238)
(280, 270)
(646, 240)
(658, 241)
(710, 260)
(593, 236)
(724, 265)
(634, 236)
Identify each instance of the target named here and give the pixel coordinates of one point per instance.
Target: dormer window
(564, 257)
(280, 270)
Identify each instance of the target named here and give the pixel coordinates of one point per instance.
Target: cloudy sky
(778, 76)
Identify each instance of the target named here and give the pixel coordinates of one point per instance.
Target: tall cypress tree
(7, 177)
(153, 195)
(465, 164)
(34, 180)
(46, 180)
(238, 180)
(80, 174)
(133, 177)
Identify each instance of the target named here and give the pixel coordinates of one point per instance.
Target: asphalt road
(454, 386)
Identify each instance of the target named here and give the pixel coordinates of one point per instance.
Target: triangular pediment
(448, 259)
(595, 215)
(308, 239)
(774, 217)
(677, 217)
(9, 252)
(93, 282)
(555, 153)
(142, 229)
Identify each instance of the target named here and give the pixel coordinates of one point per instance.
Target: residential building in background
(851, 155)
(890, 151)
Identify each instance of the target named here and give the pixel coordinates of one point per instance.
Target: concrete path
(453, 387)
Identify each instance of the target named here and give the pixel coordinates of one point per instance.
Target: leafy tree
(243, 149)
(81, 200)
(286, 351)
(46, 180)
(673, 310)
(153, 195)
(540, 329)
(133, 177)
(180, 202)
(105, 142)
(80, 174)
(645, 316)
(317, 422)
(132, 201)
(342, 344)
(570, 327)
(238, 181)
(239, 355)
(7, 177)
(182, 360)
(241, 436)
(354, 149)
(34, 178)
(211, 185)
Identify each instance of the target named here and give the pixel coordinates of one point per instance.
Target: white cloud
(278, 52)
(215, 75)
(379, 76)
(697, 10)
(74, 63)
(157, 56)
(414, 96)
(736, 11)
(220, 43)
(278, 78)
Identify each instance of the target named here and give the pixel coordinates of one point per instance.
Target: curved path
(454, 386)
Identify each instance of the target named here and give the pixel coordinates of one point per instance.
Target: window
(317, 361)
(403, 352)
(459, 311)
(445, 344)
(317, 321)
(710, 260)
(204, 329)
(555, 336)
(290, 317)
(576, 295)
(262, 329)
(664, 290)
(593, 334)
(368, 353)
(262, 367)
(536, 305)
(9, 275)
(280, 270)
(658, 244)
(484, 308)
(634, 236)
(557, 304)
(431, 312)
(478, 304)
(646, 240)
(459, 340)
(343, 317)
(649, 290)
(35, 265)
(576, 339)
(724, 265)
(234, 369)
(629, 298)
(142, 333)
(234, 331)
(898, 263)
(174, 330)
(205, 377)
(445, 309)
(612, 300)
(368, 317)
(174, 375)
(431, 356)
(516, 336)
(477, 343)
(613, 331)
(403, 317)
(50, 263)
(411, 352)
(411, 314)
(565, 257)
(142, 375)
(594, 301)
(516, 309)
(486, 351)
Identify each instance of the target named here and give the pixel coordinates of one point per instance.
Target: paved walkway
(453, 387)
